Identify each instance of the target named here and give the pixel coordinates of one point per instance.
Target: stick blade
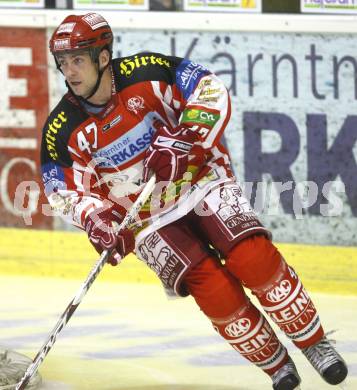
(12, 368)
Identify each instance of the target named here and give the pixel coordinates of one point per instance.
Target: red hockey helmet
(90, 31)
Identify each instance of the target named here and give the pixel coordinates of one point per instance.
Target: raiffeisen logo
(129, 65)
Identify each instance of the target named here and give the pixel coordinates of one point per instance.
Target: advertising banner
(329, 6)
(23, 110)
(131, 5)
(292, 135)
(22, 3)
(223, 5)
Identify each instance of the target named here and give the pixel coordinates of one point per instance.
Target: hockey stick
(71, 308)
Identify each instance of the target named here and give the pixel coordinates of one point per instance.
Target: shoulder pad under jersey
(61, 123)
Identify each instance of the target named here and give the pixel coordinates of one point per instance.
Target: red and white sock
(289, 305)
(250, 334)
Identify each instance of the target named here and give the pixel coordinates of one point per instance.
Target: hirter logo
(279, 293)
(238, 328)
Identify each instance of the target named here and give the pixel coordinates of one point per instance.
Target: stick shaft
(71, 308)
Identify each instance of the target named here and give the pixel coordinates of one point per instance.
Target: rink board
(327, 269)
(126, 335)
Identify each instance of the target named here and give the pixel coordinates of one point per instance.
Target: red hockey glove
(100, 227)
(168, 153)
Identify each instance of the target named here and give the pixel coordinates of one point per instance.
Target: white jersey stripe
(77, 178)
(70, 149)
(165, 101)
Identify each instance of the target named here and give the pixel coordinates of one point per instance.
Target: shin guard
(290, 307)
(250, 334)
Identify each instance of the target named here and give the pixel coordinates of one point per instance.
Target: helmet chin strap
(99, 79)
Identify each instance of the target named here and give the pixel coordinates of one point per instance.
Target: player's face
(80, 72)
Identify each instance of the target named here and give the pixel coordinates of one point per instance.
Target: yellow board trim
(27, 252)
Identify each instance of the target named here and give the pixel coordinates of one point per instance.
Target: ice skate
(326, 361)
(286, 378)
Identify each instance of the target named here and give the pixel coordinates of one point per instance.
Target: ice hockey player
(127, 118)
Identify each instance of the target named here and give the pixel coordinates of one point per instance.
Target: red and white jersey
(88, 159)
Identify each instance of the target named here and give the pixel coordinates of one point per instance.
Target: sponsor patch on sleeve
(53, 178)
(188, 75)
(199, 116)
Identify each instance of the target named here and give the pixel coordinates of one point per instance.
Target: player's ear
(104, 58)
